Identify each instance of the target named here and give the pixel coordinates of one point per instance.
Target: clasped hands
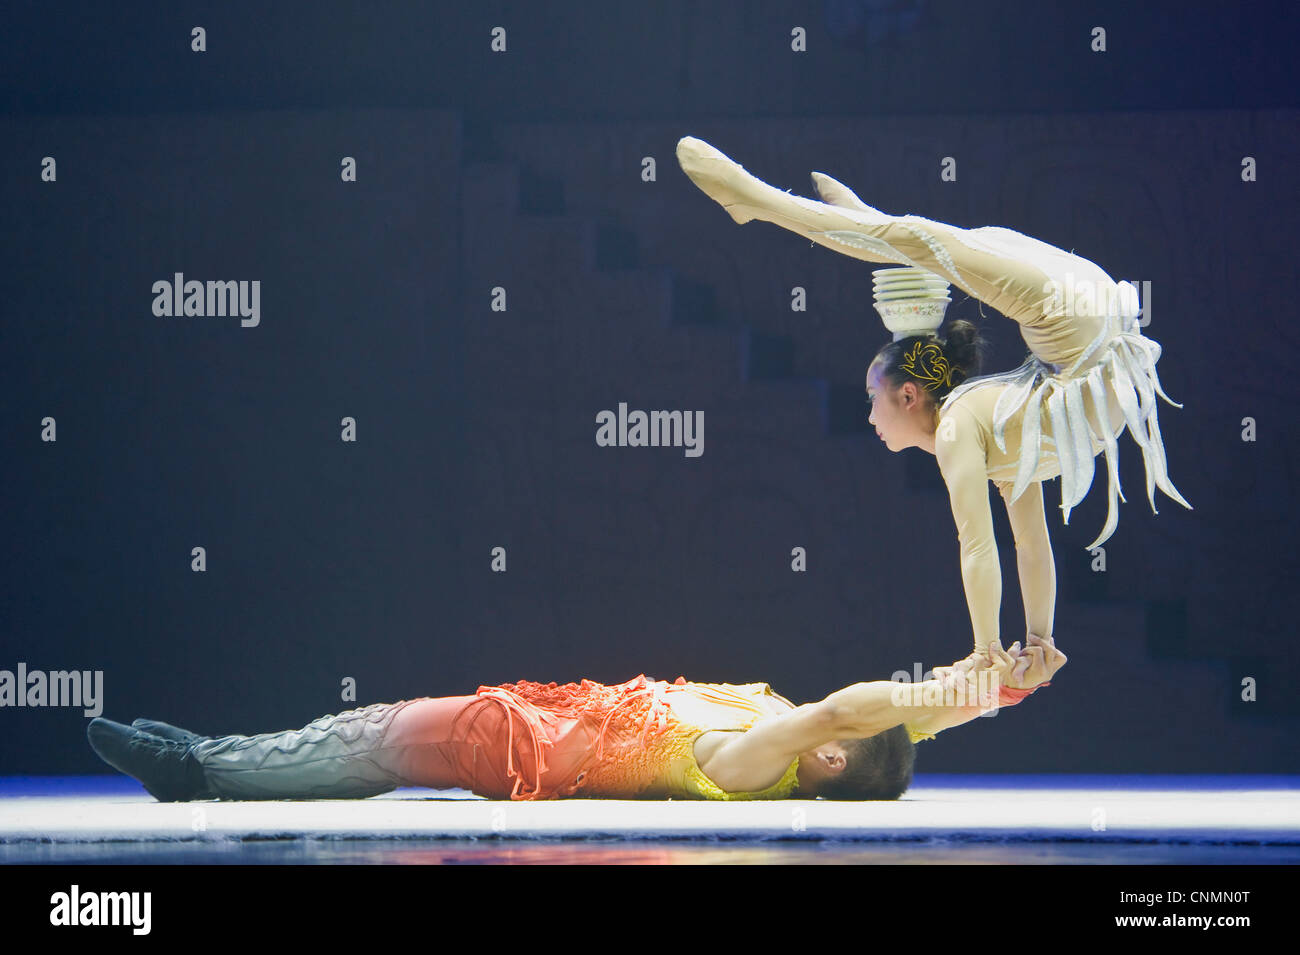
(1018, 667)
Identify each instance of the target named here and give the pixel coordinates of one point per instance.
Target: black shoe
(166, 731)
(166, 768)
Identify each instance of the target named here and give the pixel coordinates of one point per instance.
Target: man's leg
(166, 730)
(334, 757)
(461, 742)
(452, 742)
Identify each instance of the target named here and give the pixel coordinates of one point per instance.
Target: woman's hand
(1008, 667)
(978, 660)
(1019, 668)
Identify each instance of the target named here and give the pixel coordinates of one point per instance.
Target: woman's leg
(1046, 290)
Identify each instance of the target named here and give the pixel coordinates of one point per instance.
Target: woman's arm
(959, 448)
(1034, 558)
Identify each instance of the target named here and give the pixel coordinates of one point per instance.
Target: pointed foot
(836, 193)
(717, 175)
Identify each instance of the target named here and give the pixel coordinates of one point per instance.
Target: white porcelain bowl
(920, 295)
(912, 316)
(899, 271)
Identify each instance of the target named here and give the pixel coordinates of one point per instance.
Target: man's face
(816, 765)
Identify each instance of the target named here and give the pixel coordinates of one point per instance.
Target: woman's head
(909, 378)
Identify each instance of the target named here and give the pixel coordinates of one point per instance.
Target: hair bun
(938, 364)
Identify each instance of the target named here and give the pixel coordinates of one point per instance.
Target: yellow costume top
(705, 707)
(654, 752)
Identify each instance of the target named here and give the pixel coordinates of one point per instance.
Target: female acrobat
(1090, 372)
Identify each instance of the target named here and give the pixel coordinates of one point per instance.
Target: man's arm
(756, 758)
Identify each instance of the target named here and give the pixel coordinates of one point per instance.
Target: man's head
(879, 767)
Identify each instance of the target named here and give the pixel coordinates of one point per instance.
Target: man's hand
(970, 681)
(1039, 661)
(963, 669)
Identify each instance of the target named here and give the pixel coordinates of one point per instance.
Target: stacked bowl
(910, 301)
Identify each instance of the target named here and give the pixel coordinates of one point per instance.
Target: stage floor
(942, 819)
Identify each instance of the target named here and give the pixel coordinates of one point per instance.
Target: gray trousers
(335, 757)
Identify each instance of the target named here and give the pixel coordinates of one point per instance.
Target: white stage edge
(1236, 816)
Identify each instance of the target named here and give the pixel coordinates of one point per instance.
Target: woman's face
(893, 424)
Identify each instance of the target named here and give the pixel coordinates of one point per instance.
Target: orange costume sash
(630, 740)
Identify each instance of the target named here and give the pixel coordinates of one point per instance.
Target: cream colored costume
(1090, 364)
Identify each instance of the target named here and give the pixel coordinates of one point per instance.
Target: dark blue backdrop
(475, 428)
